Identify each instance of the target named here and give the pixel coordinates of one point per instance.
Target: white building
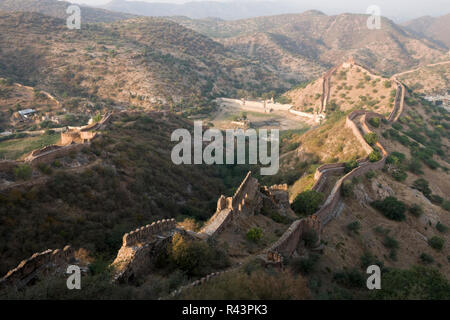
(26, 113)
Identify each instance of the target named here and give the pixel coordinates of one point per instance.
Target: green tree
(23, 172)
(350, 165)
(375, 122)
(307, 202)
(423, 186)
(254, 234)
(420, 283)
(371, 138)
(395, 158)
(436, 243)
(97, 118)
(375, 156)
(391, 208)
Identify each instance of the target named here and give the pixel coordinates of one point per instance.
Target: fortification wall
(43, 150)
(291, 238)
(323, 172)
(246, 192)
(51, 155)
(278, 106)
(349, 123)
(70, 137)
(76, 136)
(38, 263)
(139, 246)
(268, 105)
(326, 212)
(245, 201)
(199, 282)
(265, 106)
(326, 88)
(147, 233)
(279, 187)
(399, 102)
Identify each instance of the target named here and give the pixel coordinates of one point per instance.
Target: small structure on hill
(70, 136)
(26, 113)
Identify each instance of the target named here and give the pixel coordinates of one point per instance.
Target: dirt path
(44, 178)
(417, 69)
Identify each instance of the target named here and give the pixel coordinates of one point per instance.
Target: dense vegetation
(131, 182)
(391, 208)
(307, 202)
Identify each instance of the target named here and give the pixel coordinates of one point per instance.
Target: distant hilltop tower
(349, 63)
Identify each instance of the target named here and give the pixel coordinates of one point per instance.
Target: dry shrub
(189, 224)
(259, 285)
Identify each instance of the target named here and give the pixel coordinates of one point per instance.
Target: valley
(87, 122)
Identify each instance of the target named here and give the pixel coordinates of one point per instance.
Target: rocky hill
(303, 45)
(429, 79)
(366, 185)
(90, 195)
(345, 87)
(395, 216)
(230, 10)
(58, 9)
(416, 174)
(435, 28)
(148, 62)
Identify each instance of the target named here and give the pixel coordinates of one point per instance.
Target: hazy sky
(395, 9)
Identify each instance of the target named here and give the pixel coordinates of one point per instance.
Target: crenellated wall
(148, 233)
(39, 263)
(399, 102)
(279, 187)
(140, 246)
(323, 172)
(349, 123)
(289, 241)
(246, 200)
(46, 156)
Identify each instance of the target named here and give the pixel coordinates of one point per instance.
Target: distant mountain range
(436, 28)
(206, 9)
(141, 61)
(57, 9)
(292, 48)
(308, 43)
(243, 9)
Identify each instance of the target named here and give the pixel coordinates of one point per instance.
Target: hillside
(15, 97)
(429, 79)
(366, 184)
(385, 192)
(230, 10)
(362, 235)
(146, 62)
(312, 42)
(94, 194)
(390, 210)
(396, 217)
(436, 28)
(58, 9)
(345, 87)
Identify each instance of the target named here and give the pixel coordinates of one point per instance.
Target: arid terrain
(87, 175)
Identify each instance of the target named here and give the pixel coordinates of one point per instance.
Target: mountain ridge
(58, 9)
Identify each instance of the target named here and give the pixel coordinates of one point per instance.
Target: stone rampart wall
(39, 262)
